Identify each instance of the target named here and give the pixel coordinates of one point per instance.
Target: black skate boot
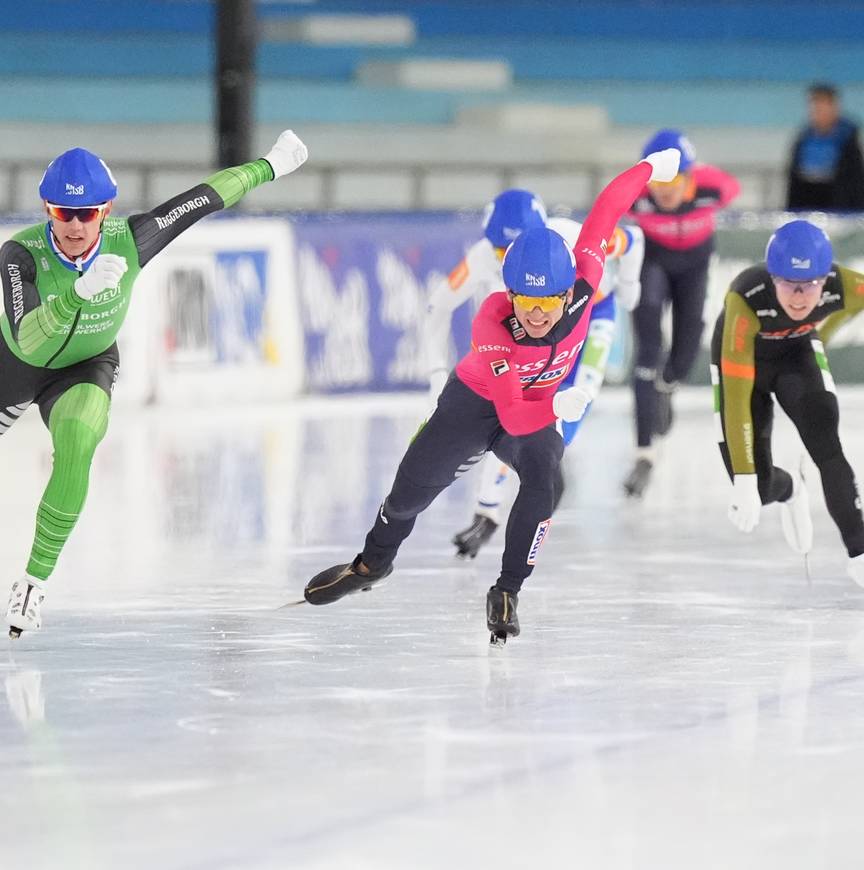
(469, 541)
(663, 415)
(501, 617)
(638, 479)
(341, 580)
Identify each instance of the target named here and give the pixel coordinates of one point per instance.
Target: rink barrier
(251, 309)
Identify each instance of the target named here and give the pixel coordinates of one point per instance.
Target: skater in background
(504, 397)
(678, 218)
(478, 274)
(766, 344)
(66, 287)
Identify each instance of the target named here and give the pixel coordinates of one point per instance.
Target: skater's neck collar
(78, 264)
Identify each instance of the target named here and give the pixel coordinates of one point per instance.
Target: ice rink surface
(681, 697)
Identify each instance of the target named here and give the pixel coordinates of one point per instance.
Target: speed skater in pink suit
(503, 397)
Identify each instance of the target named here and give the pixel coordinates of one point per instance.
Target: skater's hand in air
(289, 153)
(745, 505)
(104, 273)
(571, 404)
(664, 164)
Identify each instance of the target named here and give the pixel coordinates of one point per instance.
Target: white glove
(628, 293)
(570, 404)
(437, 379)
(104, 273)
(664, 164)
(745, 504)
(289, 153)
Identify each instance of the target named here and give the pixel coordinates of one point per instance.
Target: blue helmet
(668, 138)
(510, 213)
(799, 250)
(77, 178)
(539, 263)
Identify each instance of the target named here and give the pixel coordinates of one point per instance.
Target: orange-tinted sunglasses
(85, 214)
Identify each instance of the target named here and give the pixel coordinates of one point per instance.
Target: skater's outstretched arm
(613, 202)
(738, 373)
(472, 276)
(717, 184)
(853, 303)
(157, 228)
(628, 280)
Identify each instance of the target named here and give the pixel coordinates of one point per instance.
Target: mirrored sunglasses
(85, 214)
(544, 303)
(784, 285)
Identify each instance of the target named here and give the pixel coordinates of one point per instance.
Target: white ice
(681, 696)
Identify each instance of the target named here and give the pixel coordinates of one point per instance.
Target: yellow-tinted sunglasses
(673, 183)
(544, 303)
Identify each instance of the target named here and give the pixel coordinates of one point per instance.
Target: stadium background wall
(256, 308)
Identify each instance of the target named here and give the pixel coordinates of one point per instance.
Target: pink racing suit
(520, 374)
(694, 222)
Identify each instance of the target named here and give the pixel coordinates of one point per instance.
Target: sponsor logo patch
(499, 367)
(578, 303)
(178, 211)
(74, 189)
(532, 280)
(516, 328)
(539, 536)
(17, 285)
(501, 347)
(800, 263)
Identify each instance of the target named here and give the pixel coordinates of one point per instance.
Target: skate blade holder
(498, 638)
(14, 633)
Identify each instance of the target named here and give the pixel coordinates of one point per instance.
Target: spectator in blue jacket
(826, 170)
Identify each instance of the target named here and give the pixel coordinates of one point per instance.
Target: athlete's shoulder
(25, 245)
(852, 281)
(711, 182)
(705, 173)
(116, 227)
(495, 307)
(482, 262)
(567, 228)
(32, 237)
(752, 283)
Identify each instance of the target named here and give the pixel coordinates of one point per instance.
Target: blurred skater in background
(678, 218)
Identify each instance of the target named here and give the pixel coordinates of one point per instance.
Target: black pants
(21, 384)
(463, 427)
(679, 278)
(807, 396)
